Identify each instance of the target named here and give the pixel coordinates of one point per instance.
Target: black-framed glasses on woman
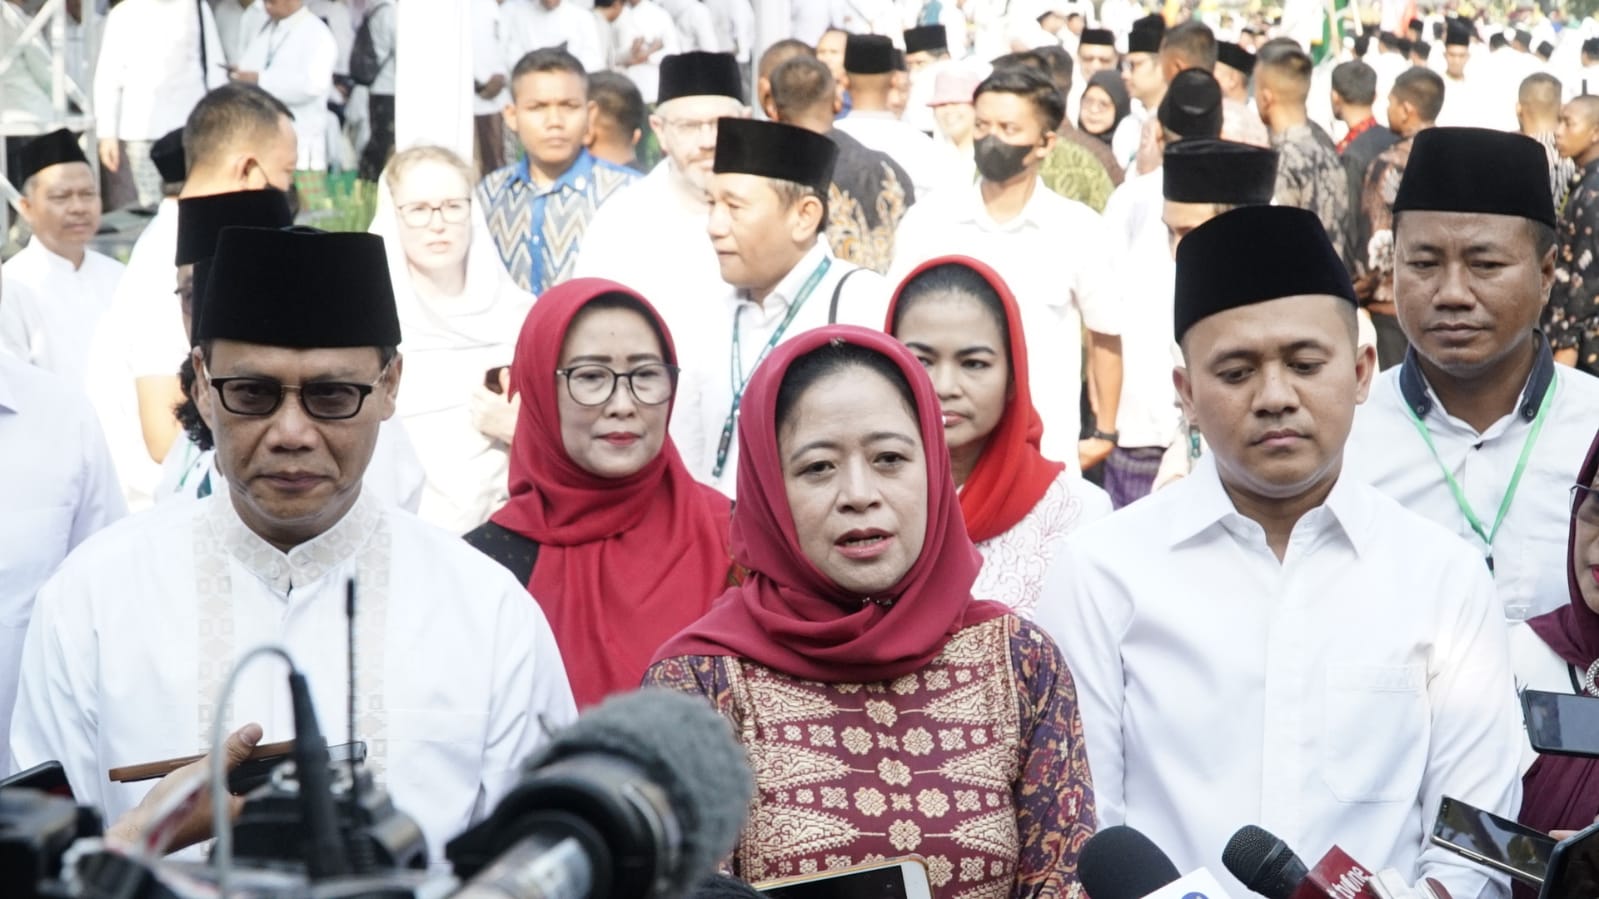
(420, 215)
(325, 400)
(593, 385)
(1585, 500)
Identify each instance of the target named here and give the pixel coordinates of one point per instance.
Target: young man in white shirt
(134, 635)
(1478, 429)
(239, 137)
(1050, 250)
(536, 24)
(650, 236)
(767, 221)
(292, 58)
(869, 75)
(1355, 647)
(66, 286)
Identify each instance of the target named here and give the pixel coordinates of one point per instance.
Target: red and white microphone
(1266, 865)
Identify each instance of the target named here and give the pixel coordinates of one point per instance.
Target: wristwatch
(1111, 436)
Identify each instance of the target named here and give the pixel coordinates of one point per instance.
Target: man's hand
(492, 87)
(1093, 451)
(171, 793)
(1567, 356)
(494, 414)
(110, 153)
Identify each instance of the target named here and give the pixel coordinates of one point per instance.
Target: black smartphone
(253, 773)
(49, 777)
(1495, 842)
(1574, 867)
(1561, 723)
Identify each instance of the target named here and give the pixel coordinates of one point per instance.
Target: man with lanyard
(1478, 429)
(134, 636)
(768, 214)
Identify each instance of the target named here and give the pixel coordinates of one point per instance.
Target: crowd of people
(1014, 418)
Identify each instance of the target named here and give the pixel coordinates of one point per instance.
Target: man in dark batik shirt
(870, 191)
(1354, 91)
(1309, 175)
(1571, 319)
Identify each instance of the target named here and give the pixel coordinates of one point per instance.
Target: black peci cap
(1192, 105)
(868, 54)
(700, 74)
(56, 148)
(1219, 171)
(1507, 174)
(775, 150)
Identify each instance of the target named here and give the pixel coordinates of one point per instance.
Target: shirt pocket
(33, 541)
(1367, 706)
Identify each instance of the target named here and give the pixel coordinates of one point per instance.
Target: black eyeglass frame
(672, 372)
(362, 392)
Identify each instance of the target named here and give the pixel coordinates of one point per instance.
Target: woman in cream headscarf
(460, 314)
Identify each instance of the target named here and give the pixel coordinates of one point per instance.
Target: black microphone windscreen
(1263, 862)
(1121, 863)
(687, 749)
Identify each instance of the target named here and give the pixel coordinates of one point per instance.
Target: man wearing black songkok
(1478, 429)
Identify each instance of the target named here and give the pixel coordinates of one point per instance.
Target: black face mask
(997, 160)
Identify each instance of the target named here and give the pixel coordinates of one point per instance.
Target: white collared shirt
(1332, 697)
(1145, 279)
(137, 630)
(529, 27)
(914, 151)
(139, 94)
(236, 24)
(645, 21)
(649, 237)
(51, 308)
(1529, 552)
(294, 57)
(1056, 260)
(490, 55)
(705, 388)
(59, 489)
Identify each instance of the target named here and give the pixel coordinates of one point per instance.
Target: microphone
(1266, 865)
(1121, 863)
(640, 798)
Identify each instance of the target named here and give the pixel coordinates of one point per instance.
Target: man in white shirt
(297, 368)
(651, 236)
(60, 488)
(1356, 647)
(239, 137)
(535, 24)
(641, 37)
(1478, 429)
(1050, 250)
(26, 82)
(491, 72)
(926, 54)
(869, 76)
(1466, 102)
(768, 215)
(140, 94)
(237, 22)
(65, 286)
(291, 58)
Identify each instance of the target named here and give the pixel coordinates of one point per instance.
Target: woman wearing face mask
(960, 320)
(1104, 112)
(612, 535)
(459, 312)
(885, 711)
(1558, 652)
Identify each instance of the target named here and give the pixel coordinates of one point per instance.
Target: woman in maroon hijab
(1558, 652)
(885, 711)
(619, 545)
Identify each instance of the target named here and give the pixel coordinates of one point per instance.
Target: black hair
(1193, 42)
(953, 278)
(547, 59)
(233, 113)
(1355, 82)
(1497, 41)
(615, 299)
(831, 358)
(800, 84)
(1060, 65)
(1035, 86)
(618, 98)
(188, 414)
(1422, 88)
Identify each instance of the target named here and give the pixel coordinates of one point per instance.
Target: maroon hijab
(624, 563)
(790, 617)
(1563, 791)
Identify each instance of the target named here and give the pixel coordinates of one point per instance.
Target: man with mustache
(1356, 646)
(59, 287)
(1478, 429)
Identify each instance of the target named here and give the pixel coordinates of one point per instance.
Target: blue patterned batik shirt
(538, 232)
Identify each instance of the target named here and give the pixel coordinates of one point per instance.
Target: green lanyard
(740, 379)
(1515, 476)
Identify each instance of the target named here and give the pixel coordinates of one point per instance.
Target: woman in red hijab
(1558, 652)
(619, 545)
(885, 711)
(958, 317)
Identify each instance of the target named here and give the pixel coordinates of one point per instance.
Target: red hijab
(1563, 791)
(790, 617)
(1011, 475)
(624, 563)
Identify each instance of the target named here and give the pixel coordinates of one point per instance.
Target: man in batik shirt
(1571, 320)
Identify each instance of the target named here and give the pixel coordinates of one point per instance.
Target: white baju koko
(457, 673)
(59, 489)
(529, 26)
(705, 388)
(1529, 551)
(51, 308)
(294, 57)
(1335, 696)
